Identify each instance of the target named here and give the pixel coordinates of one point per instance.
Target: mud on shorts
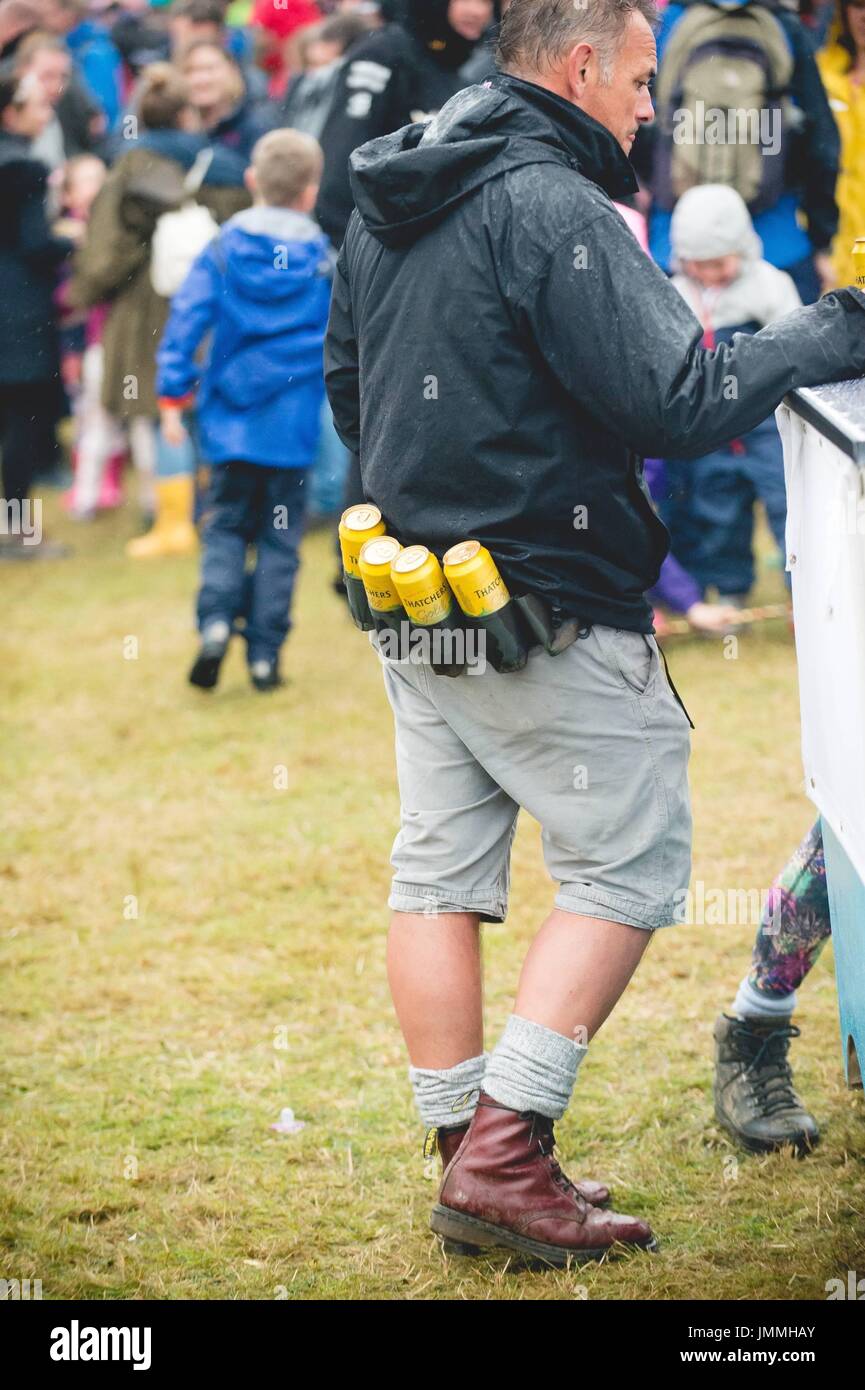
(592, 743)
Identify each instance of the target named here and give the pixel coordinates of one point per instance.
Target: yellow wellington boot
(173, 532)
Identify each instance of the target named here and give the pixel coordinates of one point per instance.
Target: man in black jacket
(501, 355)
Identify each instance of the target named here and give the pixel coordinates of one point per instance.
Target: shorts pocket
(630, 656)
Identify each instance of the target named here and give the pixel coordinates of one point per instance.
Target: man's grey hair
(536, 34)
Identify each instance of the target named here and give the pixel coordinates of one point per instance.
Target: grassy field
(193, 930)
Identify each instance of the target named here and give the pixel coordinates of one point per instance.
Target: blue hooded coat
(262, 288)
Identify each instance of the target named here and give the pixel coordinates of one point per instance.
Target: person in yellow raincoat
(842, 67)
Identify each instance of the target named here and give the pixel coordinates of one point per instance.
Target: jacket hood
(276, 262)
(272, 253)
(406, 182)
(428, 21)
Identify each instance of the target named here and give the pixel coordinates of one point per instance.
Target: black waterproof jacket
(502, 353)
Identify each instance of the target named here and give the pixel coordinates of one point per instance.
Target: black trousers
(28, 416)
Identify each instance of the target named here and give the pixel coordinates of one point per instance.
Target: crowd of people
(104, 112)
(113, 114)
(105, 109)
(174, 188)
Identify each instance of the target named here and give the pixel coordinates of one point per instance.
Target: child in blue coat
(261, 290)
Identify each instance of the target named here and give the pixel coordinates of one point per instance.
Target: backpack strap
(198, 173)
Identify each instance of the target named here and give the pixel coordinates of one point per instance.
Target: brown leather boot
(449, 1139)
(505, 1188)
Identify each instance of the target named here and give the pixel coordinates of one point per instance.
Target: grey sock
(448, 1096)
(533, 1068)
(751, 1002)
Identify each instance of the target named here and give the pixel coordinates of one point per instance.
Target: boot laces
(543, 1129)
(769, 1071)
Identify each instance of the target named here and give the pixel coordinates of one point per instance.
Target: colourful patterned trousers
(795, 924)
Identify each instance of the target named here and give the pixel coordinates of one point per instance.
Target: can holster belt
(538, 618)
(510, 634)
(392, 589)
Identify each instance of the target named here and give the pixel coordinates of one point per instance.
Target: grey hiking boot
(754, 1097)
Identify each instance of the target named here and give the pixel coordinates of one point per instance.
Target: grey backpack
(723, 107)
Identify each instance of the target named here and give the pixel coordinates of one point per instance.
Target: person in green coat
(113, 266)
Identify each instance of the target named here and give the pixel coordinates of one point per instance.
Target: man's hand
(173, 428)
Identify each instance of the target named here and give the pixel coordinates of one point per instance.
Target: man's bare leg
(503, 1185)
(434, 969)
(575, 972)
(573, 975)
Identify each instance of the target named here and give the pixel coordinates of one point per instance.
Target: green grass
(144, 1059)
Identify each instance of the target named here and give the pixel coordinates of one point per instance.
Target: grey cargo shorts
(592, 743)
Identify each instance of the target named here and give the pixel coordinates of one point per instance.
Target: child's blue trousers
(709, 508)
(252, 505)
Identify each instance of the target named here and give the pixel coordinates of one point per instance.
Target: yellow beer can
(483, 596)
(422, 587)
(375, 559)
(473, 575)
(358, 524)
(859, 263)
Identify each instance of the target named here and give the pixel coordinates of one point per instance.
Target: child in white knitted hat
(709, 507)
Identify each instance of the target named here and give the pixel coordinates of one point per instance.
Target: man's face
(470, 18)
(623, 104)
(207, 73)
(51, 71)
(320, 53)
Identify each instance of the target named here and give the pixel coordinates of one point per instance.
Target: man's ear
(580, 62)
(251, 181)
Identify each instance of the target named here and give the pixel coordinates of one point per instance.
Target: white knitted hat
(711, 221)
